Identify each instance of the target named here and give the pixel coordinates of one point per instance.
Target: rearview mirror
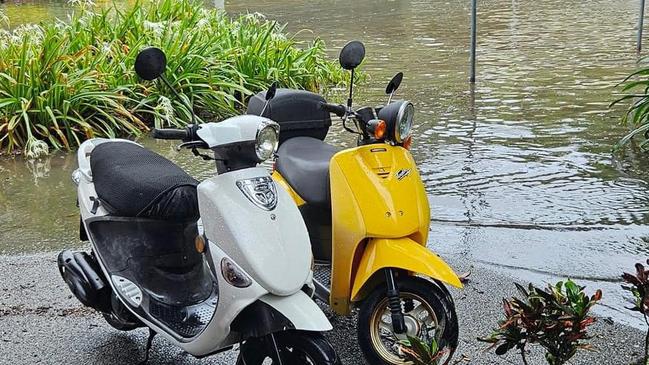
(150, 63)
(272, 90)
(352, 55)
(393, 85)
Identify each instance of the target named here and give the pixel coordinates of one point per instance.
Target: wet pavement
(42, 323)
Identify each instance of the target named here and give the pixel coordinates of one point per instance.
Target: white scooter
(239, 275)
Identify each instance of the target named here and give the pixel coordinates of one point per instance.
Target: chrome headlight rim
(262, 129)
(406, 115)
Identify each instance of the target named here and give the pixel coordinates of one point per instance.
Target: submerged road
(42, 323)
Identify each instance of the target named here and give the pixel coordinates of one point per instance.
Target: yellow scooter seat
(304, 163)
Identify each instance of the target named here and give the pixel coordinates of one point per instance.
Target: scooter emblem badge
(260, 191)
(402, 173)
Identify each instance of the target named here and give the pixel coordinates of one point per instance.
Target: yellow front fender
(401, 253)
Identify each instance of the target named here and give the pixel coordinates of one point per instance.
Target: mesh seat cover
(132, 181)
(304, 163)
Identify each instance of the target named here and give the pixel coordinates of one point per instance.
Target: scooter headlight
(398, 116)
(267, 140)
(404, 122)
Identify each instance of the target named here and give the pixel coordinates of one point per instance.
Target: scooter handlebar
(170, 133)
(338, 109)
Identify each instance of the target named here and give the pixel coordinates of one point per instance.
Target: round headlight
(267, 141)
(404, 122)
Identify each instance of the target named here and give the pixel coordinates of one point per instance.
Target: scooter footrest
(322, 273)
(186, 321)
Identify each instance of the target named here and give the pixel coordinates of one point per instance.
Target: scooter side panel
(272, 246)
(377, 192)
(232, 301)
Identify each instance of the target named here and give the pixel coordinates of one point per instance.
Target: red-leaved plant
(556, 318)
(638, 285)
(420, 352)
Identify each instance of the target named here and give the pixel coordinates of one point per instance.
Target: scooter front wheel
(429, 313)
(295, 347)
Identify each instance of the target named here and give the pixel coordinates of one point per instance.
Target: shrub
(638, 285)
(636, 89)
(555, 318)
(63, 82)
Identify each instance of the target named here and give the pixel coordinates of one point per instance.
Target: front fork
(394, 302)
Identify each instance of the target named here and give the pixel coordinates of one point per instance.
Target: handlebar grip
(338, 109)
(170, 133)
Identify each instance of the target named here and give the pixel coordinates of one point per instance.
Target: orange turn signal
(406, 144)
(377, 128)
(199, 244)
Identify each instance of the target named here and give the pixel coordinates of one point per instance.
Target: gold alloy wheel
(421, 321)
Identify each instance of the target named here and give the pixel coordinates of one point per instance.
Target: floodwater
(519, 171)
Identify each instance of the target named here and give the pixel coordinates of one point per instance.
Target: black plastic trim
(260, 319)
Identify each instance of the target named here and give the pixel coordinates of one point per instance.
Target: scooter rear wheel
(295, 347)
(428, 310)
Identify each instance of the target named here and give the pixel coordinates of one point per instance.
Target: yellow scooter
(367, 214)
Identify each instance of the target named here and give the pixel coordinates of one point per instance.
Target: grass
(64, 81)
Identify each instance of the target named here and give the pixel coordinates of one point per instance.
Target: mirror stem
(177, 95)
(390, 98)
(351, 90)
(264, 108)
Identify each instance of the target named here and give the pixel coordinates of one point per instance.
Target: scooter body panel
(376, 192)
(400, 253)
(264, 243)
(279, 179)
(301, 310)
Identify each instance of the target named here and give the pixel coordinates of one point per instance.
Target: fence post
(640, 25)
(474, 6)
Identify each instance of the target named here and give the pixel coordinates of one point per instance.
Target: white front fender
(301, 310)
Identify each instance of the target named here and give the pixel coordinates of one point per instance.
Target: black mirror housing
(393, 85)
(272, 90)
(352, 55)
(150, 63)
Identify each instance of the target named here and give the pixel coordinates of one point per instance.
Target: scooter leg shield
(301, 310)
(402, 253)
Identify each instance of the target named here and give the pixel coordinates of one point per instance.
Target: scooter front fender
(301, 310)
(401, 253)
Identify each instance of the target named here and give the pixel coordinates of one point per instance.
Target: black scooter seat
(304, 163)
(132, 181)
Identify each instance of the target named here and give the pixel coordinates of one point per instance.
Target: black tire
(437, 298)
(296, 347)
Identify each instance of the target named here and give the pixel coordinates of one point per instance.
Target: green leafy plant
(636, 89)
(63, 82)
(638, 285)
(420, 352)
(555, 318)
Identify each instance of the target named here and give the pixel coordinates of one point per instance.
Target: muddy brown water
(519, 170)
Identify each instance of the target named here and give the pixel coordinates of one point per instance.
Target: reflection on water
(519, 172)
